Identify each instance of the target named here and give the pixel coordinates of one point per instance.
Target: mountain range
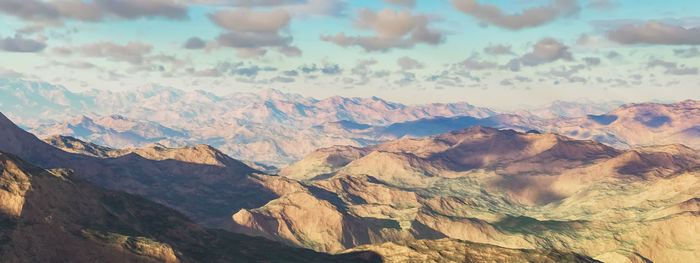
(497, 187)
(52, 213)
(268, 127)
(56, 216)
(500, 187)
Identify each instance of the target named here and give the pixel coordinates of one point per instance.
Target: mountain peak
(4, 121)
(81, 119)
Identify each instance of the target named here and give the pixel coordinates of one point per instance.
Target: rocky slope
(115, 131)
(451, 250)
(56, 216)
(570, 109)
(638, 125)
(140, 243)
(199, 181)
(278, 129)
(244, 125)
(500, 187)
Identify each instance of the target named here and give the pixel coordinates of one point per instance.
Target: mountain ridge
(501, 187)
(55, 215)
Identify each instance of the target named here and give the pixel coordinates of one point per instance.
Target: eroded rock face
(500, 187)
(636, 125)
(200, 181)
(451, 250)
(510, 189)
(57, 216)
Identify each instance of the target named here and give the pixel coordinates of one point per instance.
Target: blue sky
(409, 51)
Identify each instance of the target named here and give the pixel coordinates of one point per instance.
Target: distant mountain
(114, 130)
(54, 215)
(200, 181)
(628, 126)
(168, 176)
(276, 129)
(244, 125)
(637, 125)
(570, 109)
(500, 187)
(451, 250)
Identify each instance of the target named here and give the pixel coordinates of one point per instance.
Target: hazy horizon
(412, 52)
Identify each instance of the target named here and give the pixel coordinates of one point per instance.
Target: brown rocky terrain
(634, 125)
(500, 187)
(199, 181)
(451, 250)
(144, 235)
(55, 216)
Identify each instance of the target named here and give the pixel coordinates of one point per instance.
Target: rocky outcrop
(451, 250)
(506, 188)
(57, 216)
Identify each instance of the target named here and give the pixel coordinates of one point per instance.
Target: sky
(497, 53)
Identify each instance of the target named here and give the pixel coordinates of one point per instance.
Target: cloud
(405, 3)
(687, 53)
(251, 32)
(407, 63)
(247, 3)
(496, 50)
(244, 19)
(592, 61)
(290, 51)
(133, 9)
(96, 10)
(362, 69)
(308, 69)
(290, 73)
(545, 51)
(194, 43)
(250, 52)
(132, 52)
(331, 69)
(656, 32)
(297, 8)
(672, 68)
(473, 64)
(309, 8)
(230, 69)
(506, 82)
(393, 29)
(328, 69)
(564, 72)
(9, 73)
(252, 39)
(602, 4)
(531, 17)
(613, 55)
(250, 71)
(76, 64)
(20, 44)
(282, 79)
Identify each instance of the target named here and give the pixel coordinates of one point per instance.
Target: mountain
(54, 215)
(199, 181)
(451, 250)
(73, 145)
(638, 125)
(273, 128)
(244, 125)
(124, 227)
(500, 187)
(114, 130)
(570, 109)
(175, 108)
(629, 126)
